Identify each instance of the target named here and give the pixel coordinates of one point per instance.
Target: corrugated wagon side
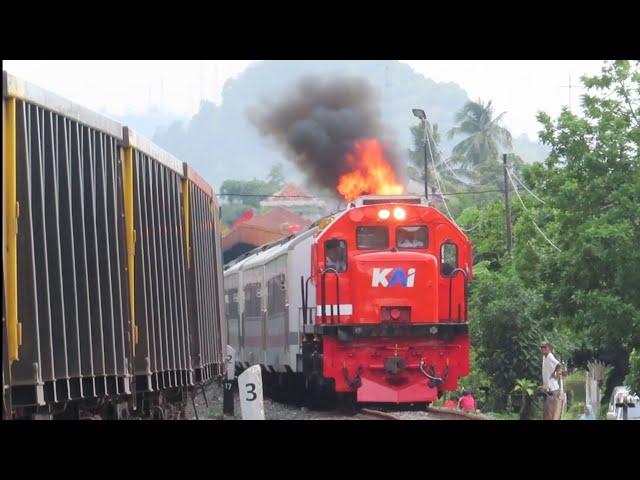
(67, 301)
(207, 314)
(112, 266)
(161, 331)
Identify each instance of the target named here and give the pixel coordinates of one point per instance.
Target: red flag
(247, 215)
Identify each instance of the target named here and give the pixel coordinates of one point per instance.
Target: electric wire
(438, 181)
(531, 217)
(446, 163)
(471, 192)
(524, 186)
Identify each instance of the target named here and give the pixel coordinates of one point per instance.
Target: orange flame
(372, 173)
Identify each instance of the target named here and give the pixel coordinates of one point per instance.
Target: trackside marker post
(250, 388)
(227, 398)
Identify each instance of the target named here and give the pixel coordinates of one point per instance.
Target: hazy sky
(519, 87)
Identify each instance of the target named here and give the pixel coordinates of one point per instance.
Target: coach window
(335, 255)
(372, 238)
(411, 237)
(448, 258)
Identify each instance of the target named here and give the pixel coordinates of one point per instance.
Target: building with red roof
(273, 225)
(298, 200)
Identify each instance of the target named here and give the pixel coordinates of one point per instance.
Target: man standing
(550, 374)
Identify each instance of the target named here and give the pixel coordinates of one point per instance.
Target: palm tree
(484, 133)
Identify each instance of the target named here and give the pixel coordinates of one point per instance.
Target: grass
(214, 411)
(503, 415)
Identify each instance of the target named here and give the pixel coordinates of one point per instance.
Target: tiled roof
(290, 190)
(264, 228)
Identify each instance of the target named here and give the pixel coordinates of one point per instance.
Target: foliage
(591, 185)
(503, 415)
(478, 152)
(526, 389)
(505, 332)
(583, 298)
(241, 195)
(477, 381)
(633, 378)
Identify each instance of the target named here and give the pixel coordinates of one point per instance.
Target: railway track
(369, 414)
(451, 414)
(434, 413)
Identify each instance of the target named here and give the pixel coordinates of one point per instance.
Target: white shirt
(338, 265)
(549, 364)
(410, 244)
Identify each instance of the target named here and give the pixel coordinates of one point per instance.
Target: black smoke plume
(317, 121)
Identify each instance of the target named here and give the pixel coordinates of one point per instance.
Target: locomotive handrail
(304, 300)
(323, 295)
(304, 287)
(466, 300)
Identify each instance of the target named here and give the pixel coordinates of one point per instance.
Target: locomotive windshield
(411, 237)
(372, 238)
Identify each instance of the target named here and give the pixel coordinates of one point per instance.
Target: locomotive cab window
(448, 258)
(372, 238)
(335, 255)
(411, 237)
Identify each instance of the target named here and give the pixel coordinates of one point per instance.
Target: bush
(633, 377)
(505, 332)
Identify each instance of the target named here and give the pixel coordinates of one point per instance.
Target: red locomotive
(380, 311)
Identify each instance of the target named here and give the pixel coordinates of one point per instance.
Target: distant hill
(148, 123)
(220, 142)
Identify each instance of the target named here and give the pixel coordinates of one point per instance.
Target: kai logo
(398, 277)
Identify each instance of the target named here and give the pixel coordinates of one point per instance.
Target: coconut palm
(484, 133)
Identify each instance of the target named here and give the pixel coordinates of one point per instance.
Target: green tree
(483, 131)
(504, 331)
(479, 151)
(241, 195)
(591, 186)
(452, 176)
(633, 378)
(276, 176)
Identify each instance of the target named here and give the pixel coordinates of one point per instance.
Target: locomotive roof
(377, 199)
(264, 254)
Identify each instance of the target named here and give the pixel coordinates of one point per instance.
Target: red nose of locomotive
(395, 287)
(400, 328)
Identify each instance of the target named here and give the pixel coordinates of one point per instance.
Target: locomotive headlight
(399, 213)
(384, 214)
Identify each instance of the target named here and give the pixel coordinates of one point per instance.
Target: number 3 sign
(250, 388)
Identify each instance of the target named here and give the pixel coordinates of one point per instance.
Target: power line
(444, 160)
(531, 217)
(525, 187)
(438, 180)
(472, 192)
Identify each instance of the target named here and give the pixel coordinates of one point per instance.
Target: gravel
(281, 411)
(272, 410)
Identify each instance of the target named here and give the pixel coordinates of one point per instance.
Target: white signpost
(250, 389)
(231, 363)
(227, 399)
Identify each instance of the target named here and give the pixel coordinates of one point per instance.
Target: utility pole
(419, 113)
(426, 163)
(507, 205)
